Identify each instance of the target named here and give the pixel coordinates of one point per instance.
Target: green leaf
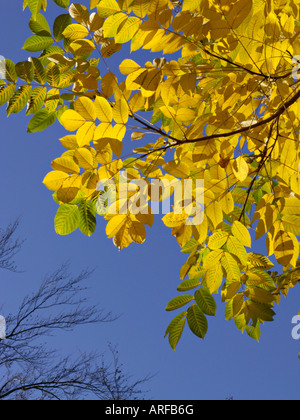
(39, 70)
(41, 120)
(234, 306)
(25, 71)
(62, 3)
(87, 219)
(188, 284)
(66, 220)
(10, 71)
(60, 24)
(34, 6)
(256, 294)
(190, 246)
(206, 302)
(258, 260)
(6, 92)
(53, 74)
(19, 100)
(37, 43)
(39, 25)
(260, 311)
(254, 331)
(175, 329)
(178, 302)
(197, 321)
(37, 100)
(49, 52)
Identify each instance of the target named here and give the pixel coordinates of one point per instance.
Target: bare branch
(9, 247)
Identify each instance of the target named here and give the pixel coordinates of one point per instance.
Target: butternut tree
(219, 103)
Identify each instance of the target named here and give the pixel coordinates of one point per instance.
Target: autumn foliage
(220, 103)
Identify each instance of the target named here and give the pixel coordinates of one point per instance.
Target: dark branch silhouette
(29, 369)
(9, 247)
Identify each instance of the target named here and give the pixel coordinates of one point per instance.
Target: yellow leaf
(240, 168)
(71, 120)
(215, 214)
(290, 205)
(119, 131)
(191, 5)
(82, 47)
(137, 135)
(86, 108)
(291, 223)
(54, 180)
(231, 267)
(200, 231)
(122, 239)
(85, 134)
(177, 169)
(115, 224)
(235, 248)
(69, 189)
(84, 158)
(214, 277)
(112, 23)
(128, 66)
(218, 239)
(212, 258)
(109, 84)
(69, 142)
(149, 81)
(127, 29)
(173, 220)
(288, 25)
(241, 233)
(107, 8)
(168, 111)
(94, 3)
(140, 7)
(103, 110)
(65, 164)
(137, 231)
(296, 250)
(110, 47)
(283, 248)
(115, 145)
(238, 12)
(103, 130)
(131, 83)
(75, 31)
(227, 202)
(185, 115)
(121, 111)
(95, 22)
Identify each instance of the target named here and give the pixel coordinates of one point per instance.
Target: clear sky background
(135, 283)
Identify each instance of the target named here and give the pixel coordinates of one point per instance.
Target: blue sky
(136, 283)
